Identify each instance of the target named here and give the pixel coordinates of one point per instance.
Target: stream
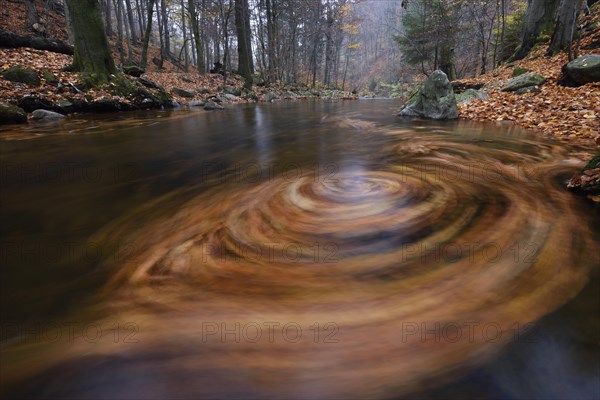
(316, 249)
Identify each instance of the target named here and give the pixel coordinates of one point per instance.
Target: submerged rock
(522, 81)
(584, 69)
(270, 96)
(10, 114)
(211, 105)
(196, 103)
(45, 115)
(434, 100)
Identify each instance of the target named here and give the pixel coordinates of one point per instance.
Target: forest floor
(569, 114)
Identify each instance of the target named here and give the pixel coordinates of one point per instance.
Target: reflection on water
(311, 250)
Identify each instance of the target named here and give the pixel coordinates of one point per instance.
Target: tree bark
(566, 20)
(539, 14)
(144, 60)
(197, 38)
(32, 15)
(242, 27)
(108, 17)
(10, 39)
(92, 56)
(119, 12)
(134, 36)
(165, 21)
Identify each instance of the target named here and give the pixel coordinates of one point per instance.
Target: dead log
(10, 39)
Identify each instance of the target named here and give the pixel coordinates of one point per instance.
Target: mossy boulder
(50, 78)
(232, 90)
(46, 116)
(10, 114)
(133, 70)
(435, 99)
(22, 74)
(270, 96)
(522, 81)
(470, 94)
(182, 92)
(149, 84)
(584, 69)
(588, 180)
(518, 71)
(211, 105)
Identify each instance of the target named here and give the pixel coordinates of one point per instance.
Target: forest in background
(377, 45)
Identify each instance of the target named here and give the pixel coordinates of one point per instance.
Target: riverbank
(569, 114)
(44, 82)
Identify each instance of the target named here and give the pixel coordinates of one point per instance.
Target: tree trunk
(565, 26)
(184, 30)
(144, 59)
(108, 17)
(119, 12)
(92, 54)
(163, 54)
(165, 20)
(134, 36)
(539, 14)
(242, 27)
(197, 37)
(32, 15)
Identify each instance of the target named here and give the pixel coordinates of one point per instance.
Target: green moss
(49, 77)
(593, 163)
(519, 71)
(22, 74)
(10, 114)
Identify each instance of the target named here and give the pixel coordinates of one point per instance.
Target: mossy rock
(470, 94)
(584, 69)
(270, 96)
(10, 114)
(107, 104)
(150, 84)
(182, 92)
(593, 163)
(50, 78)
(525, 80)
(22, 74)
(518, 71)
(435, 99)
(133, 70)
(232, 90)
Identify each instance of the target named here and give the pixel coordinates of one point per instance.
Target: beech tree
(92, 55)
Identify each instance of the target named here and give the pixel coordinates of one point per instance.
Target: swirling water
(307, 250)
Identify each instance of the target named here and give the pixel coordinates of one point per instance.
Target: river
(317, 249)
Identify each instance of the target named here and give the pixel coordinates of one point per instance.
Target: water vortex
(374, 281)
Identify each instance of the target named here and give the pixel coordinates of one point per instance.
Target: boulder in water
(10, 114)
(45, 115)
(434, 100)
